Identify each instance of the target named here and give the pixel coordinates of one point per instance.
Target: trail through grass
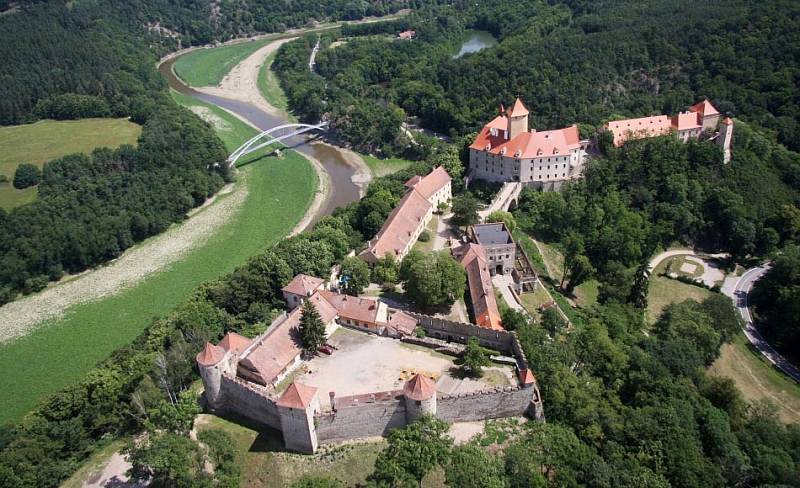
(62, 352)
(50, 139)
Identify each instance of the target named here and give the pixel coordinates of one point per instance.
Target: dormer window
(518, 153)
(539, 152)
(503, 152)
(488, 147)
(555, 150)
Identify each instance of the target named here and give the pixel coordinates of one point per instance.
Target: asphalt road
(742, 303)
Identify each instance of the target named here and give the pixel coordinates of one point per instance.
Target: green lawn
(270, 88)
(264, 463)
(758, 379)
(50, 139)
(586, 293)
(665, 291)
(62, 352)
(207, 67)
(431, 228)
(533, 300)
(381, 167)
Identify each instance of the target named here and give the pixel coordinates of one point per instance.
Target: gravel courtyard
(367, 363)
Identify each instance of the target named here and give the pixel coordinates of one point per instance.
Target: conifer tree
(312, 330)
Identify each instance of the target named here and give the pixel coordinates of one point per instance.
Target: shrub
(32, 285)
(26, 175)
(3, 179)
(424, 236)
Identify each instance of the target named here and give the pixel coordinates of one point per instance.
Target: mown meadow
(50, 139)
(63, 351)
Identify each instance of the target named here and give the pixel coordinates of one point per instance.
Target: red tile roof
(303, 285)
(526, 377)
(528, 145)
(704, 108)
(210, 355)
(432, 183)
(297, 395)
(686, 121)
(481, 291)
(234, 342)
(396, 232)
(413, 181)
(353, 308)
(500, 122)
(518, 110)
(419, 388)
(279, 347)
(402, 323)
(623, 130)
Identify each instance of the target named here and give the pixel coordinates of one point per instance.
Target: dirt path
(241, 83)
(22, 316)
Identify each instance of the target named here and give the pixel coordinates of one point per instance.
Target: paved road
(741, 301)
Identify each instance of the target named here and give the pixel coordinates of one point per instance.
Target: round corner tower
(210, 362)
(420, 397)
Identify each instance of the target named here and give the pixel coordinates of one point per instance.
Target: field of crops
(278, 192)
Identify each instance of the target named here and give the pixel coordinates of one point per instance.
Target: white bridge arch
(276, 134)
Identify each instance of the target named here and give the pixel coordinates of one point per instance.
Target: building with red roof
(506, 150)
(235, 343)
(301, 287)
(408, 219)
(701, 117)
(481, 291)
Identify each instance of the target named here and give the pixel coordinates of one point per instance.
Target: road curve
(741, 300)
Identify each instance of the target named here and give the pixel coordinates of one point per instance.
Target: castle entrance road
(741, 298)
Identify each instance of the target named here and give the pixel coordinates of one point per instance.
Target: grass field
(665, 291)
(62, 352)
(270, 88)
(50, 139)
(207, 67)
(758, 379)
(381, 167)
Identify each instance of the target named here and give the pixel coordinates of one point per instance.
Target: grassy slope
(269, 87)
(207, 67)
(50, 139)
(665, 291)
(381, 167)
(54, 356)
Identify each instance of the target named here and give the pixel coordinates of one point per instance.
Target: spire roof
(704, 108)
(297, 395)
(518, 110)
(210, 355)
(419, 388)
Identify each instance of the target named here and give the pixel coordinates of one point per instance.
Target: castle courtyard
(366, 363)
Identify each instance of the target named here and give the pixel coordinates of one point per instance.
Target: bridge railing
(253, 144)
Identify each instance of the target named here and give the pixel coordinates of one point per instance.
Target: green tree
(167, 460)
(465, 210)
(177, 417)
(505, 217)
(312, 330)
(449, 159)
(386, 271)
(474, 358)
(26, 175)
(433, 279)
(577, 267)
(355, 272)
(314, 481)
(469, 466)
(514, 319)
(552, 321)
(413, 452)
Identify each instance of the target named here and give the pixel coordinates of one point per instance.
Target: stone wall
(460, 332)
(247, 400)
(367, 420)
(486, 404)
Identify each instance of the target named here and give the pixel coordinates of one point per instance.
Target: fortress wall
(367, 420)
(241, 397)
(460, 332)
(486, 404)
(519, 354)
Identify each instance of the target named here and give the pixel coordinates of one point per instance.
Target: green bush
(424, 236)
(27, 175)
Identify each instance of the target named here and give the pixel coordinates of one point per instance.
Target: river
(477, 40)
(343, 190)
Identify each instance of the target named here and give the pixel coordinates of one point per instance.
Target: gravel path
(20, 317)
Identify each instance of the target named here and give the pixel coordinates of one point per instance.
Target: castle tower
(420, 397)
(707, 115)
(296, 408)
(517, 120)
(211, 363)
(724, 139)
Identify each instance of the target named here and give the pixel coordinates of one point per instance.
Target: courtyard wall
(365, 420)
(245, 399)
(488, 404)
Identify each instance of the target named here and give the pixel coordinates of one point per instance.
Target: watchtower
(420, 397)
(724, 139)
(211, 362)
(296, 408)
(517, 120)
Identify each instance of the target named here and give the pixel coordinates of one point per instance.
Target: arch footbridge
(273, 136)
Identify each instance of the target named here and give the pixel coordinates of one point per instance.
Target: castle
(242, 376)
(506, 150)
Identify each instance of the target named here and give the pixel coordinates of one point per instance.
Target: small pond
(476, 40)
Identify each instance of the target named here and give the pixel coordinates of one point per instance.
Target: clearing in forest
(50, 139)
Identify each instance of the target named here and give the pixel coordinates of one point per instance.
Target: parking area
(366, 363)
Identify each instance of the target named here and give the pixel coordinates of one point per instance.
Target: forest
(572, 62)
